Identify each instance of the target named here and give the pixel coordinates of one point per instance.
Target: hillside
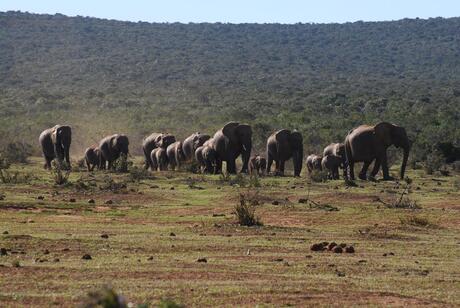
(103, 76)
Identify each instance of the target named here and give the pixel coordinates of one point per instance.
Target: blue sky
(239, 11)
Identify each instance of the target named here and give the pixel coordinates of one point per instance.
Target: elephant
(55, 143)
(193, 142)
(368, 143)
(207, 158)
(331, 163)
(231, 141)
(313, 162)
(175, 154)
(92, 157)
(257, 165)
(337, 149)
(159, 159)
(155, 140)
(111, 147)
(281, 146)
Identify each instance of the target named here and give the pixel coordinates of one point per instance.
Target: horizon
(240, 12)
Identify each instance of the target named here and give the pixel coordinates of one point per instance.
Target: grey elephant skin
(257, 165)
(92, 157)
(313, 162)
(175, 155)
(55, 143)
(370, 143)
(233, 140)
(283, 145)
(159, 159)
(153, 141)
(111, 147)
(206, 156)
(337, 149)
(331, 163)
(193, 142)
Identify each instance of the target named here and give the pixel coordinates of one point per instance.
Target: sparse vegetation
(245, 209)
(318, 176)
(59, 173)
(416, 221)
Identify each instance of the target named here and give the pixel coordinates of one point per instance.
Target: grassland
(156, 229)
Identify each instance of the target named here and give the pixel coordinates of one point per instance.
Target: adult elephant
(368, 143)
(155, 140)
(175, 154)
(337, 149)
(55, 143)
(231, 141)
(110, 149)
(193, 142)
(281, 146)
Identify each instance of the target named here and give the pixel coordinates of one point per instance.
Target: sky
(241, 11)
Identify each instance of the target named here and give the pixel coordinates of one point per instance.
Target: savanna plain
(175, 235)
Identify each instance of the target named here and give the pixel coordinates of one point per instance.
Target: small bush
(254, 180)
(415, 221)
(456, 166)
(8, 177)
(245, 210)
(225, 177)
(16, 152)
(169, 303)
(137, 174)
(318, 176)
(456, 183)
(434, 162)
(16, 263)
(110, 185)
(59, 173)
(121, 164)
(106, 298)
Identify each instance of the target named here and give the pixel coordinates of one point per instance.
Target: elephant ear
(54, 134)
(383, 132)
(229, 130)
(283, 137)
(114, 141)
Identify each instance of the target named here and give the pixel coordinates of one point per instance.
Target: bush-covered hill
(103, 76)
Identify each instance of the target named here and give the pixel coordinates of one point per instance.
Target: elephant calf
(207, 158)
(257, 164)
(92, 157)
(175, 154)
(331, 163)
(313, 162)
(159, 159)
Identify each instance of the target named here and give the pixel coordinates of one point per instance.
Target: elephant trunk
(297, 160)
(404, 162)
(245, 155)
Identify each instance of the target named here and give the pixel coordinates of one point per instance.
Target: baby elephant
(313, 162)
(92, 157)
(159, 159)
(258, 165)
(207, 158)
(331, 163)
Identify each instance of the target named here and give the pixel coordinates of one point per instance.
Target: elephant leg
(281, 167)
(362, 174)
(48, 161)
(269, 163)
(67, 157)
(88, 165)
(385, 171)
(376, 168)
(231, 166)
(218, 165)
(335, 174)
(351, 170)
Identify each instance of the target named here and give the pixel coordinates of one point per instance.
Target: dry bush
(106, 298)
(245, 209)
(416, 221)
(318, 176)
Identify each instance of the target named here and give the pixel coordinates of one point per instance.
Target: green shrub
(121, 164)
(59, 173)
(16, 152)
(106, 298)
(137, 174)
(433, 162)
(169, 303)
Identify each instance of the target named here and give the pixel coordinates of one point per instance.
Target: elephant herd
(161, 151)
